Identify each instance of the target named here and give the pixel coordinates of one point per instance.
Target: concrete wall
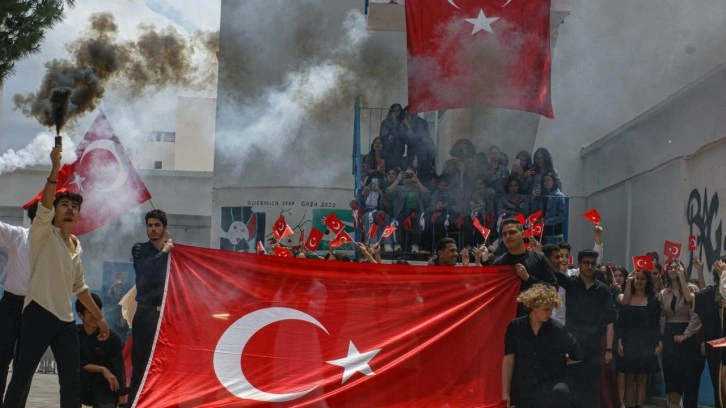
(614, 61)
(194, 145)
(659, 177)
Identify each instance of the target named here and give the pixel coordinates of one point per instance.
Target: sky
(152, 111)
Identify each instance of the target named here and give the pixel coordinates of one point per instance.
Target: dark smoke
(155, 60)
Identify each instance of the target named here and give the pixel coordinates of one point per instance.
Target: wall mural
(703, 222)
(242, 227)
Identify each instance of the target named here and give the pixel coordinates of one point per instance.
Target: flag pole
(153, 207)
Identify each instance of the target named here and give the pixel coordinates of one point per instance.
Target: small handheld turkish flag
(482, 229)
(280, 229)
(692, 243)
(520, 217)
(672, 250)
(534, 217)
(643, 262)
(334, 223)
(388, 231)
(718, 343)
(314, 239)
(537, 229)
(283, 252)
(373, 230)
(342, 238)
(260, 248)
(593, 216)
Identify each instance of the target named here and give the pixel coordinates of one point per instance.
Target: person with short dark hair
(103, 376)
(150, 259)
(56, 274)
(531, 267)
(590, 315)
(15, 287)
(537, 350)
(446, 252)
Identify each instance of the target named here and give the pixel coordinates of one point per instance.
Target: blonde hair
(540, 295)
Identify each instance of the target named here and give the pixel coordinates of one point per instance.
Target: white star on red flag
(355, 362)
(481, 23)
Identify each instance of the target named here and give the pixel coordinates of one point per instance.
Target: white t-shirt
(18, 268)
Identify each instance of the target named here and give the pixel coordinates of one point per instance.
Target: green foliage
(22, 27)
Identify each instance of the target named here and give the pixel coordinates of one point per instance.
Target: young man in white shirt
(56, 274)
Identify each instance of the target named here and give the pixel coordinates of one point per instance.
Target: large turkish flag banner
(103, 175)
(465, 53)
(248, 330)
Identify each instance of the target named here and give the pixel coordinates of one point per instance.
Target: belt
(149, 307)
(13, 297)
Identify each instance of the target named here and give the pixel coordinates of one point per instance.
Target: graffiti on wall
(703, 222)
(242, 227)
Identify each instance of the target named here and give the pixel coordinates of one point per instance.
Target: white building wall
(194, 145)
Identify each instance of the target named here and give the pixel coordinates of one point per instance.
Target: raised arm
(52, 180)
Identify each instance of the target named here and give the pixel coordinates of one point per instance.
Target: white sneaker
(414, 249)
(387, 248)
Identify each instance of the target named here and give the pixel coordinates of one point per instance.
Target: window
(157, 165)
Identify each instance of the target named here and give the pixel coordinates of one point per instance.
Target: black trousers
(551, 396)
(584, 377)
(11, 315)
(40, 329)
(143, 332)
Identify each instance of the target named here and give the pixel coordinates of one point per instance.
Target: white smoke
(37, 152)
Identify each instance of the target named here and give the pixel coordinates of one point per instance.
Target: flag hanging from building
(103, 175)
(465, 53)
(284, 332)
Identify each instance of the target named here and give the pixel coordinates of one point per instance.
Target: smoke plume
(156, 59)
(35, 153)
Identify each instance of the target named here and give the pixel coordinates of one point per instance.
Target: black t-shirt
(539, 361)
(150, 266)
(589, 310)
(536, 264)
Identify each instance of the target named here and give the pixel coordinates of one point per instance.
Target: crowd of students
(401, 187)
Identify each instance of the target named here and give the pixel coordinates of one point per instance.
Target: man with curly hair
(537, 350)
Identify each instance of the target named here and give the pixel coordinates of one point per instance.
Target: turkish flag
(341, 239)
(283, 252)
(283, 332)
(103, 175)
(537, 229)
(373, 230)
(672, 250)
(691, 242)
(280, 228)
(479, 53)
(718, 343)
(643, 262)
(534, 217)
(520, 218)
(313, 240)
(334, 223)
(260, 248)
(593, 216)
(388, 231)
(482, 229)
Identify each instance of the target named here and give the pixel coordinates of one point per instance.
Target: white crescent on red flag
(103, 175)
(314, 239)
(280, 228)
(692, 243)
(643, 262)
(285, 332)
(593, 216)
(342, 239)
(388, 231)
(334, 223)
(672, 249)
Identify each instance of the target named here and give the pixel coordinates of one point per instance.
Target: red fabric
(537, 229)
(593, 216)
(334, 223)
(283, 252)
(313, 240)
(373, 230)
(643, 262)
(482, 229)
(388, 231)
(450, 66)
(407, 223)
(691, 242)
(126, 354)
(459, 221)
(520, 217)
(280, 228)
(381, 217)
(103, 175)
(438, 333)
(260, 247)
(672, 249)
(340, 239)
(534, 217)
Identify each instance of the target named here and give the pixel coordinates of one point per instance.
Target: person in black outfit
(531, 267)
(537, 350)
(150, 260)
(590, 315)
(709, 305)
(103, 376)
